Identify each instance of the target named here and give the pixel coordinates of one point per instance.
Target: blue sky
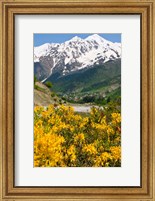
(40, 39)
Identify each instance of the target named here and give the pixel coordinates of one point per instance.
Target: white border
(129, 173)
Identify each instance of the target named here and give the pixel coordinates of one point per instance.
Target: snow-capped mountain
(73, 55)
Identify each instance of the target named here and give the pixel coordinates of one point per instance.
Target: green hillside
(90, 85)
(90, 79)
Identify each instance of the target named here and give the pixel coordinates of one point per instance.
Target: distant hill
(101, 77)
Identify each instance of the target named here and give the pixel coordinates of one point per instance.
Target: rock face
(73, 55)
(42, 95)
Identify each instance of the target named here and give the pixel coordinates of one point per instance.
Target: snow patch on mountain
(41, 51)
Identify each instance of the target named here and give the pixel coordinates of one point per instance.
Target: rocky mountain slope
(43, 96)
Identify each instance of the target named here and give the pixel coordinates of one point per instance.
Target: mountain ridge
(73, 55)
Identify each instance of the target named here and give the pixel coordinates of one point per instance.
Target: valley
(94, 85)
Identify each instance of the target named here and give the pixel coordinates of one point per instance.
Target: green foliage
(100, 98)
(53, 94)
(48, 84)
(39, 88)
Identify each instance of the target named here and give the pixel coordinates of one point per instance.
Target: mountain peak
(97, 38)
(75, 38)
(94, 36)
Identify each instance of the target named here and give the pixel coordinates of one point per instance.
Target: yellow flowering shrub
(63, 138)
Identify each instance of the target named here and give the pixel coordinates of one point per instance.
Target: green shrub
(52, 94)
(48, 84)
